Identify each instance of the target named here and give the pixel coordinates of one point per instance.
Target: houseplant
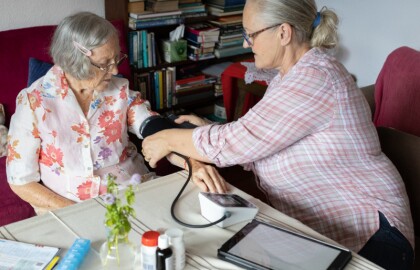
(117, 251)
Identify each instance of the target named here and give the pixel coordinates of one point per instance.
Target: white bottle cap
(163, 241)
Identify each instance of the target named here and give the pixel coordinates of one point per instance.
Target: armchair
(393, 100)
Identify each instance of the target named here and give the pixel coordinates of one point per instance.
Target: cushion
(37, 69)
(12, 208)
(397, 92)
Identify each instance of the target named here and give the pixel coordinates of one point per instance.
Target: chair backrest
(403, 150)
(397, 92)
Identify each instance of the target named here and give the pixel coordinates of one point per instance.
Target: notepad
(18, 255)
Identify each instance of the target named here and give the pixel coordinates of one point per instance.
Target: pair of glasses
(249, 38)
(122, 56)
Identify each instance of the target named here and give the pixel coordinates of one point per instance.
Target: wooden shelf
(206, 62)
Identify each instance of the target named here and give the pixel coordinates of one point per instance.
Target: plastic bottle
(164, 258)
(149, 244)
(178, 248)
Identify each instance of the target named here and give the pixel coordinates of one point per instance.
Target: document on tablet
(263, 246)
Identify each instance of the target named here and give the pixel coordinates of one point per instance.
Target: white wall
(26, 13)
(371, 29)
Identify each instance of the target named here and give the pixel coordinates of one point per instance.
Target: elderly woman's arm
(40, 196)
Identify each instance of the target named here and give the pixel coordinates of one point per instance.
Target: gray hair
(301, 15)
(85, 28)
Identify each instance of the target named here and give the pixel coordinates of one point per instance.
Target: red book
(191, 79)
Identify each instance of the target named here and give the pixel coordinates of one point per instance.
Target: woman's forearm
(40, 196)
(180, 141)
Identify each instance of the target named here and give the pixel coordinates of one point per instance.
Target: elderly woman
(310, 140)
(70, 127)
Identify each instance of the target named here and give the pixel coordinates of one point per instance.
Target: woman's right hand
(193, 119)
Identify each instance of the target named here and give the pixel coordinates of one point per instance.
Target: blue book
(144, 43)
(157, 95)
(148, 24)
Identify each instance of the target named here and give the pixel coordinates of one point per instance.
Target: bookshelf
(118, 9)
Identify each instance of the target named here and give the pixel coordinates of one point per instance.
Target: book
(190, 79)
(15, 255)
(135, 7)
(136, 24)
(201, 38)
(230, 51)
(225, 3)
(154, 15)
(161, 6)
(197, 57)
(203, 29)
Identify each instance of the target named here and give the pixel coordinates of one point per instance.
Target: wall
(371, 29)
(25, 13)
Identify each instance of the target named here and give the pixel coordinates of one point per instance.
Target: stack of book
(194, 89)
(192, 8)
(221, 8)
(231, 40)
(202, 38)
(149, 19)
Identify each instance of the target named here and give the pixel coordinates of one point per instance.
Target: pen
(52, 263)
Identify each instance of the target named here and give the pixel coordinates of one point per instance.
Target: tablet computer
(260, 245)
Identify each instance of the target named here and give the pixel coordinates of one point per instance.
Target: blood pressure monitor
(214, 206)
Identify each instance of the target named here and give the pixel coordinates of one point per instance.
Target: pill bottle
(176, 242)
(149, 244)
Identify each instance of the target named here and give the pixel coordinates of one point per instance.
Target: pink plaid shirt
(315, 150)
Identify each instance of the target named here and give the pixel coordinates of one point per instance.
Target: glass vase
(117, 256)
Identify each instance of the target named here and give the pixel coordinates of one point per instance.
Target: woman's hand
(207, 178)
(193, 119)
(154, 148)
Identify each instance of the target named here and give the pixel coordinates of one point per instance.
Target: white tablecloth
(153, 202)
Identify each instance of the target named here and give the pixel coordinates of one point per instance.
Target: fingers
(182, 118)
(208, 179)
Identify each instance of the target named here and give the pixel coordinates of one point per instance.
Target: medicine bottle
(149, 244)
(176, 242)
(164, 255)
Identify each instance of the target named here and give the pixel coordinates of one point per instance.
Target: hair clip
(82, 48)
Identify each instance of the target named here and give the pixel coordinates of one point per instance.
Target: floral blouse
(51, 139)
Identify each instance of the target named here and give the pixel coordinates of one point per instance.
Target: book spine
(140, 63)
(144, 43)
(157, 97)
(148, 24)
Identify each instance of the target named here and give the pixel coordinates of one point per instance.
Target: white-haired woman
(310, 140)
(70, 126)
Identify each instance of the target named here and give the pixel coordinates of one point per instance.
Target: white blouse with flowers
(50, 138)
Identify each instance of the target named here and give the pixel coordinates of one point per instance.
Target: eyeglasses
(109, 67)
(252, 36)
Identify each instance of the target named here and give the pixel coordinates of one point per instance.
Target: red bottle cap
(150, 238)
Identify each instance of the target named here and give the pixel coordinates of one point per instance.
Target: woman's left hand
(207, 178)
(154, 148)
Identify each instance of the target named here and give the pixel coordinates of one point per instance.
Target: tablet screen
(273, 248)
